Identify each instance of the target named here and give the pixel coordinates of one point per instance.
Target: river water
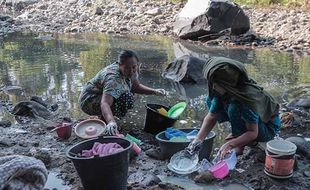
(56, 67)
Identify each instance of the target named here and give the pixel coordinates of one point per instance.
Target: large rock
(300, 103)
(303, 146)
(12, 90)
(214, 17)
(186, 69)
(32, 109)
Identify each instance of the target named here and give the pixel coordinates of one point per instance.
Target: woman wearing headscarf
(234, 97)
(110, 92)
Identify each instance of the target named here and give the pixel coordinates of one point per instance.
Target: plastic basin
(220, 170)
(169, 148)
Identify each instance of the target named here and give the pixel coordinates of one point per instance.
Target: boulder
(32, 109)
(303, 146)
(200, 19)
(186, 69)
(300, 103)
(12, 90)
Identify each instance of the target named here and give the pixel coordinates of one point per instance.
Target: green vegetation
(286, 3)
(289, 3)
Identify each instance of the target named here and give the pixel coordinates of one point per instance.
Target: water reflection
(56, 68)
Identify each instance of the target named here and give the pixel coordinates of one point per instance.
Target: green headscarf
(232, 76)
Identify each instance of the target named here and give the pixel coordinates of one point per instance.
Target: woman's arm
(106, 103)
(207, 125)
(249, 136)
(139, 88)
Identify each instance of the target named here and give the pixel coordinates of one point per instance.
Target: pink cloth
(102, 149)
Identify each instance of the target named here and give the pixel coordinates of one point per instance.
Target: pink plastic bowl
(220, 170)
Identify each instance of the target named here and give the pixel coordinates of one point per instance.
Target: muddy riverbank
(282, 29)
(32, 140)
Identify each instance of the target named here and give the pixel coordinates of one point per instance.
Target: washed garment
(111, 81)
(232, 76)
(172, 132)
(102, 149)
(22, 172)
(238, 115)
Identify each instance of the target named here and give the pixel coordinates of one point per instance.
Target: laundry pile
(102, 149)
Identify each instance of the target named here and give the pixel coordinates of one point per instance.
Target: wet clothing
(111, 81)
(102, 149)
(232, 76)
(239, 115)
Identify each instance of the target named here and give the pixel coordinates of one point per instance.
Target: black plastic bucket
(156, 122)
(100, 173)
(169, 148)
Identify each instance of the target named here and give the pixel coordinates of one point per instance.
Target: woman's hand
(194, 146)
(226, 148)
(161, 92)
(111, 128)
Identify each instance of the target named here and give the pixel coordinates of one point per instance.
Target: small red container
(64, 130)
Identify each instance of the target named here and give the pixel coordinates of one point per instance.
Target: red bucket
(64, 130)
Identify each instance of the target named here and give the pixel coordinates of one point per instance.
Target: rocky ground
(282, 29)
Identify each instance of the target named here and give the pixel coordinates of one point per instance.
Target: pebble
(44, 156)
(307, 173)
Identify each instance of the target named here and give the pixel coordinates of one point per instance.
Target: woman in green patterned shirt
(110, 92)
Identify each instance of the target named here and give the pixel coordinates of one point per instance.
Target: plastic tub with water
(169, 148)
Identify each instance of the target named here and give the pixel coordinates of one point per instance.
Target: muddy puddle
(54, 182)
(189, 184)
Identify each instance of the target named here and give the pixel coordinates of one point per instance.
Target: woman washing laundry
(110, 92)
(234, 97)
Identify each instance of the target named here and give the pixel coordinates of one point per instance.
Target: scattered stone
(240, 170)
(54, 107)
(151, 180)
(43, 7)
(5, 124)
(73, 1)
(204, 177)
(4, 17)
(122, 29)
(154, 153)
(307, 173)
(5, 142)
(164, 29)
(44, 156)
(74, 29)
(98, 11)
(154, 12)
(166, 186)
